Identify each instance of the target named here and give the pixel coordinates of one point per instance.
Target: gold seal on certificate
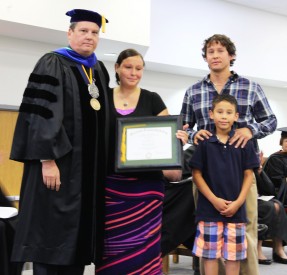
(95, 104)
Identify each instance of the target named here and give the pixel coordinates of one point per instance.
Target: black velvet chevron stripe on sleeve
(39, 93)
(44, 79)
(36, 109)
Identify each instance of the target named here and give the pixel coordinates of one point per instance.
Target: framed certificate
(148, 143)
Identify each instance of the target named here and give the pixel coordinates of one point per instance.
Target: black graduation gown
(277, 223)
(276, 169)
(56, 122)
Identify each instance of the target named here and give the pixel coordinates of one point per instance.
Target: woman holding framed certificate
(133, 199)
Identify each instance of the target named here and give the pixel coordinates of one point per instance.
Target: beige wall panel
(10, 171)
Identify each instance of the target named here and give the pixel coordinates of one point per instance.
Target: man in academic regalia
(61, 138)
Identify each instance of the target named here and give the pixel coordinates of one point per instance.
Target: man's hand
(51, 175)
(241, 136)
(201, 135)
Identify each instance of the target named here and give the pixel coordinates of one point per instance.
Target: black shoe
(265, 261)
(278, 259)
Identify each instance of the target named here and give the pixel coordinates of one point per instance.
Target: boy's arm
(247, 182)
(235, 205)
(218, 203)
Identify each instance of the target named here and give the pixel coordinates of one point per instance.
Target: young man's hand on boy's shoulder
(201, 135)
(241, 137)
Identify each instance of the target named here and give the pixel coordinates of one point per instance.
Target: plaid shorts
(220, 240)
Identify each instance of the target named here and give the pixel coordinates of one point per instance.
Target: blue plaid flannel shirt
(253, 107)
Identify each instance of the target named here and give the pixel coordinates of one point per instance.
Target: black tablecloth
(178, 221)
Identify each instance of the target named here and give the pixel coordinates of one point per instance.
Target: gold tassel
(103, 24)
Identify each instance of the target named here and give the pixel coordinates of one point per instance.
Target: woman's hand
(182, 134)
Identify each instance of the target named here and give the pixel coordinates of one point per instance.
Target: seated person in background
(178, 222)
(7, 230)
(276, 168)
(272, 214)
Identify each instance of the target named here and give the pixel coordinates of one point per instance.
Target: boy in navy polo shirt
(223, 174)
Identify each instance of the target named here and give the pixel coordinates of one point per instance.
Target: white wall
(18, 58)
(133, 26)
(178, 29)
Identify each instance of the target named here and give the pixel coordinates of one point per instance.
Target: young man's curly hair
(224, 41)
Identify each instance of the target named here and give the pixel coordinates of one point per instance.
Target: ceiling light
(110, 54)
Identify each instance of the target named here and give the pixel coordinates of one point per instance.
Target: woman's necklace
(124, 100)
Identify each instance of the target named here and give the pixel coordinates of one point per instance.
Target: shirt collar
(214, 138)
(234, 76)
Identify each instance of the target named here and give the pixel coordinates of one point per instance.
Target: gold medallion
(95, 104)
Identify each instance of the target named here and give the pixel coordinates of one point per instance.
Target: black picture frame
(148, 143)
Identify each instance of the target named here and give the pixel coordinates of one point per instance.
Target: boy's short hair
(229, 98)
(224, 41)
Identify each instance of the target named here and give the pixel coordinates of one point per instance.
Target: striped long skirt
(132, 227)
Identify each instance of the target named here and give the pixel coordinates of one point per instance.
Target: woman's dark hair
(229, 98)
(126, 54)
(224, 41)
